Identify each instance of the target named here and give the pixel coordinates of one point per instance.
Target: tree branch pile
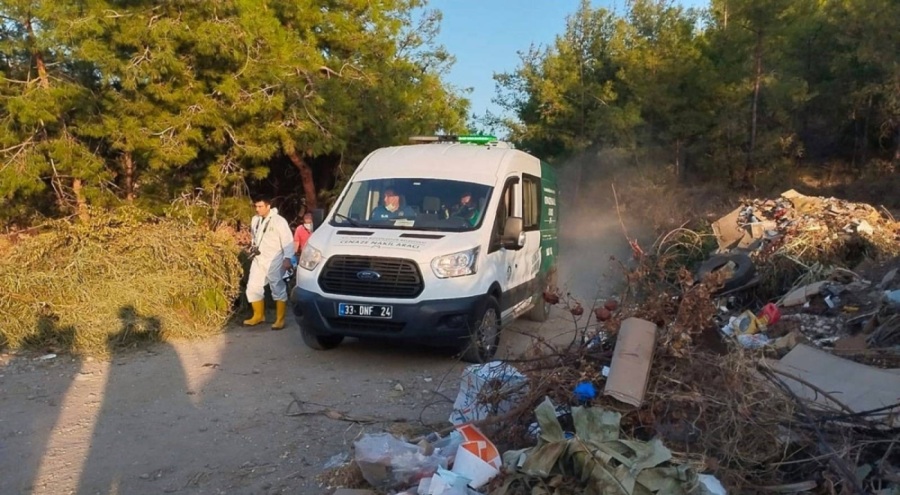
(122, 277)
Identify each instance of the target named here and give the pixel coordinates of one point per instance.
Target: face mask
(391, 207)
(308, 226)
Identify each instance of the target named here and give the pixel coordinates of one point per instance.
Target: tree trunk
(757, 81)
(864, 147)
(38, 56)
(677, 159)
(128, 165)
(44, 80)
(897, 149)
(578, 168)
(306, 176)
(80, 201)
(725, 16)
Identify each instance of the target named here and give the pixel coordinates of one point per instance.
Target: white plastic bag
(495, 378)
(389, 463)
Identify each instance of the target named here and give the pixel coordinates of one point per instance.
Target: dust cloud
(593, 245)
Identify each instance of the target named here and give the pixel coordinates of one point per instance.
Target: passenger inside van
(466, 209)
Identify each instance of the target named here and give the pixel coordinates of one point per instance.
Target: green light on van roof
(476, 139)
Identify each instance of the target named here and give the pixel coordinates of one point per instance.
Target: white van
(403, 255)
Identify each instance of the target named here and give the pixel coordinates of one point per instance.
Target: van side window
(531, 202)
(505, 209)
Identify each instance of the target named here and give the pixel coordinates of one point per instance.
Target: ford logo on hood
(368, 275)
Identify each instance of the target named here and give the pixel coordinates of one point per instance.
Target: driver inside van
(391, 209)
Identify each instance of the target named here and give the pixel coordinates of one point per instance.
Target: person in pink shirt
(301, 235)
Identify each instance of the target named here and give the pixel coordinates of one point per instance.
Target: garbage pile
(805, 226)
(576, 449)
(803, 252)
(793, 234)
(768, 366)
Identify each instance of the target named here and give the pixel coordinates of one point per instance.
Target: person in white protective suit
(271, 238)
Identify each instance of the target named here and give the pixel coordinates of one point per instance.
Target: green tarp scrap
(595, 461)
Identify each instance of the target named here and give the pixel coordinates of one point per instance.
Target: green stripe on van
(549, 218)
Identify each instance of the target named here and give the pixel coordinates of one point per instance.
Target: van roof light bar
(463, 138)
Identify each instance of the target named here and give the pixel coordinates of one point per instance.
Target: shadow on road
(138, 402)
(26, 428)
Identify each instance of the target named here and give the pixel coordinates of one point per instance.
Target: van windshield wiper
(348, 219)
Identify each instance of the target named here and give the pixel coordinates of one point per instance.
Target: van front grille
(369, 276)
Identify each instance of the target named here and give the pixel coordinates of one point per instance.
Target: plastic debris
(389, 463)
(477, 458)
(502, 379)
(597, 456)
(584, 392)
(712, 485)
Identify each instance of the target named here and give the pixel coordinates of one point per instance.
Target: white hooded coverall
(272, 235)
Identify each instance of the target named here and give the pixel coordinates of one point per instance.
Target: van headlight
(456, 264)
(310, 258)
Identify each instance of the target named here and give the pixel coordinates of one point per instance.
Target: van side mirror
(513, 235)
(318, 217)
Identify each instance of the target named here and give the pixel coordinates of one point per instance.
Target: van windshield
(417, 204)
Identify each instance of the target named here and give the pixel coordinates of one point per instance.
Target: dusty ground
(216, 416)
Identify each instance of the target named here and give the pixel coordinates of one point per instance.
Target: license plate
(365, 310)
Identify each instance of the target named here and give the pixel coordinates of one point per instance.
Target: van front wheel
(320, 342)
(484, 334)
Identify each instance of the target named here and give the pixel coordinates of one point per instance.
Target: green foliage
(734, 91)
(142, 102)
(145, 102)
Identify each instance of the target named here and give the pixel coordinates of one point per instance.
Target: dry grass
(720, 409)
(124, 277)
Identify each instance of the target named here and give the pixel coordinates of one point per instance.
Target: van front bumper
(443, 322)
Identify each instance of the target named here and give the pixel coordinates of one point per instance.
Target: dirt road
(210, 416)
(216, 416)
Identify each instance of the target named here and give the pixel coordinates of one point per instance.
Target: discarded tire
(744, 269)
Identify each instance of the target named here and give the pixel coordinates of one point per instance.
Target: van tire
(320, 342)
(484, 334)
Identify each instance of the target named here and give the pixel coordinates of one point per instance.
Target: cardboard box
(629, 371)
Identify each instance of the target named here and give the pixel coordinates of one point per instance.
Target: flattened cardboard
(727, 231)
(632, 357)
(859, 387)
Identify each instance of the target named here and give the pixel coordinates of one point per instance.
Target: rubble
(794, 218)
(786, 382)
